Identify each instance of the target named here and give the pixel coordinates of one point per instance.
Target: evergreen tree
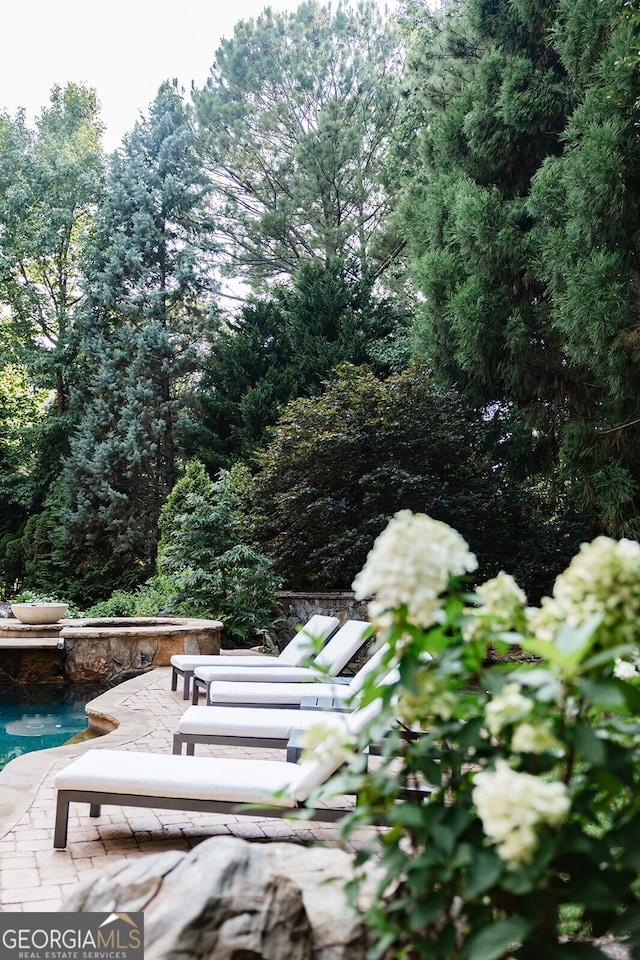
(149, 285)
(284, 347)
(215, 570)
(294, 123)
(523, 229)
(586, 206)
(194, 482)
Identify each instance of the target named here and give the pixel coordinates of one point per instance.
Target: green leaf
(548, 688)
(574, 642)
(485, 870)
(588, 745)
(571, 645)
(471, 733)
(493, 941)
(409, 815)
(425, 911)
(611, 693)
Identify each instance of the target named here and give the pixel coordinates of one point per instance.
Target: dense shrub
(214, 570)
(338, 466)
(157, 595)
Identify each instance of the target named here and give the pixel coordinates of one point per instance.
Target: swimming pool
(41, 715)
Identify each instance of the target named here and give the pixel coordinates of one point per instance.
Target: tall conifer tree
(150, 288)
(524, 231)
(295, 122)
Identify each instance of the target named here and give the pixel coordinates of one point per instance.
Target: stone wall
(297, 608)
(106, 650)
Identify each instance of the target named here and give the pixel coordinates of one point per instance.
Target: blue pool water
(41, 715)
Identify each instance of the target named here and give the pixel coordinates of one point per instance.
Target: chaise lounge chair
(211, 784)
(333, 658)
(338, 693)
(251, 727)
(318, 627)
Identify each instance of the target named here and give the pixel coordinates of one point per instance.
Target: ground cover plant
(527, 845)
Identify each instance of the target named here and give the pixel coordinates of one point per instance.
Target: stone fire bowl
(39, 612)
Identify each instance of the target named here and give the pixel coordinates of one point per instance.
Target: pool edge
(20, 779)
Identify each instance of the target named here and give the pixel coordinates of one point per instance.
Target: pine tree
(294, 123)
(284, 347)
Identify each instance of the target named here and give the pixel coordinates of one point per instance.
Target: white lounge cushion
(238, 780)
(186, 661)
(256, 722)
(337, 653)
(261, 722)
(319, 627)
(275, 672)
(298, 648)
(255, 692)
(313, 773)
(332, 658)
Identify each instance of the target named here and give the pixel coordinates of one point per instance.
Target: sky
(123, 48)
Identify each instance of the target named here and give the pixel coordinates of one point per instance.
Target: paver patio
(34, 876)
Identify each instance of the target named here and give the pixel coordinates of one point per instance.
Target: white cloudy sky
(123, 48)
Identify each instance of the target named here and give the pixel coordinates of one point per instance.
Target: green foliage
(150, 599)
(149, 281)
(338, 466)
(528, 811)
(116, 474)
(295, 122)
(11, 564)
(284, 347)
(522, 220)
(51, 565)
(194, 482)
(213, 569)
(50, 182)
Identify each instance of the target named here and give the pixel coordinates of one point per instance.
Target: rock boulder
(228, 899)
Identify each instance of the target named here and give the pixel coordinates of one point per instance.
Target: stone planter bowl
(39, 612)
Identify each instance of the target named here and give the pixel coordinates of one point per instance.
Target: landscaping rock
(228, 898)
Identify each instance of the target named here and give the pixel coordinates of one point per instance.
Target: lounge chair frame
(214, 739)
(97, 799)
(316, 703)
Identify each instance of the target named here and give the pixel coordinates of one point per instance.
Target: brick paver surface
(34, 876)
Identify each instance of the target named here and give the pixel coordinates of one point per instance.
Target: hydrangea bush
(510, 784)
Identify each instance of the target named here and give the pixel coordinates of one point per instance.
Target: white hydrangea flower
(432, 700)
(328, 742)
(502, 608)
(534, 738)
(508, 706)
(624, 670)
(410, 564)
(512, 805)
(603, 578)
